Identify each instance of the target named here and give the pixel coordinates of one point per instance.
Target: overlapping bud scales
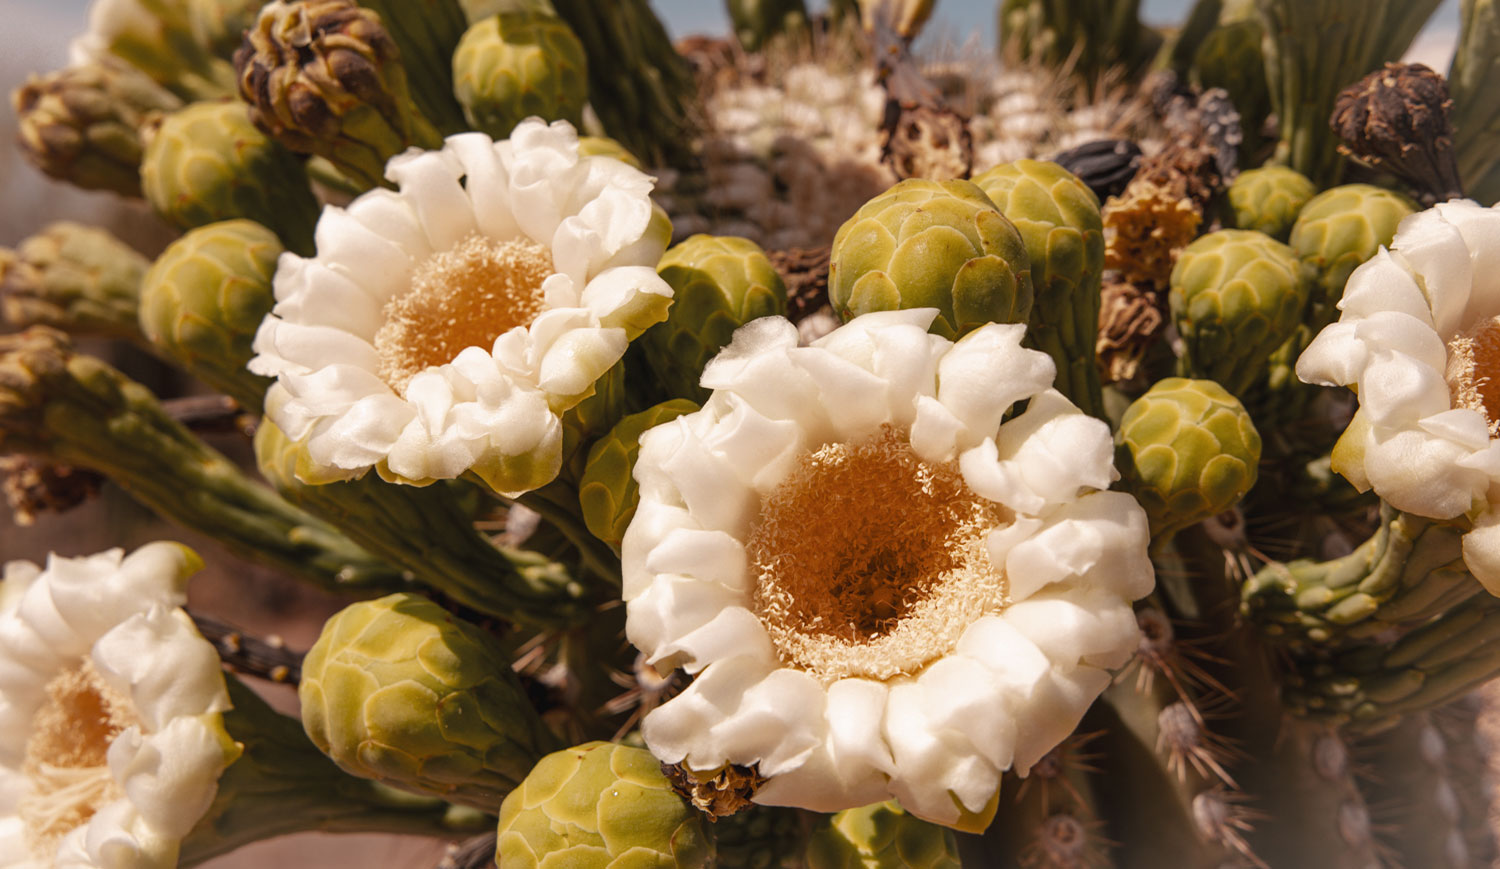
(932, 244)
(208, 163)
(82, 124)
(608, 492)
(73, 277)
(603, 805)
(1336, 231)
(880, 836)
(1188, 451)
(1269, 199)
(719, 283)
(516, 65)
(1058, 217)
(325, 77)
(205, 297)
(1236, 296)
(400, 691)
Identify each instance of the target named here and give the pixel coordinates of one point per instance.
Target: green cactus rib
(77, 410)
(1353, 38)
(757, 22)
(761, 837)
(514, 65)
(282, 784)
(77, 278)
(427, 32)
(427, 532)
(1408, 571)
(1090, 37)
(1059, 220)
(1230, 57)
(1415, 782)
(1476, 101)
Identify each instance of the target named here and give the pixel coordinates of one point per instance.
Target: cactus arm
(1476, 102)
(427, 31)
(1425, 828)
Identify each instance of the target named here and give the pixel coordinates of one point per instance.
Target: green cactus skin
(600, 805)
(719, 283)
(208, 163)
(1229, 57)
(761, 837)
(399, 691)
(205, 297)
(515, 65)
(220, 25)
(79, 411)
(1268, 199)
(1187, 451)
(1086, 37)
(1476, 103)
(608, 493)
(1236, 296)
(880, 836)
(1058, 218)
(1338, 230)
(757, 22)
(932, 244)
(77, 278)
(427, 32)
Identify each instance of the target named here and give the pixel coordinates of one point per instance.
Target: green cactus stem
(77, 278)
(1476, 102)
(79, 411)
(427, 32)
(1425, 818)
(1090, 37)
(1230, 57)
(757, 22)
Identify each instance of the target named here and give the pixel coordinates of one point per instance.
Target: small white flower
(111, 737)
(443, 327)
(883, 590)
(1419, 339)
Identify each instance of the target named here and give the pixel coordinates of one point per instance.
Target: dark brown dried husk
(1399, 119)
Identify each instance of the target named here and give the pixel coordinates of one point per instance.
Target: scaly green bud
(880, 836)
(1058, 217)
(719, 284)
(932, 244)
(608, 491)
(757, 22)
(1336, 231)
(82, 124)
(208, 163)
(325, 77)
(73, 277)
(1269, 199)
(1187, 451)
(600, 804)
(518, 64)
(78, 411)
(1236, 296)
(400, 691)
(205, 297)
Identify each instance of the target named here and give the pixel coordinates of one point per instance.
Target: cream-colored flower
(1419, 339)
(884, 590)
(444, 326)
(111, 737)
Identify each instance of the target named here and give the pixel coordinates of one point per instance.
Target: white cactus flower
(111, 734)
(882, 589)
(1419, 339)
(443, 327)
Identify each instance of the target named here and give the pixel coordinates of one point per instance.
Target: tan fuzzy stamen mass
(464, 297)
(66, 757)
(1473, 373)
(872, 562)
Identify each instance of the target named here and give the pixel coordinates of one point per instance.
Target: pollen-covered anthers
(718, 794)
(1065, 841)
(645, 689)
(35, 486)
(1473, 373)
(1222, 817)
(1058, 768)
(1182, 735)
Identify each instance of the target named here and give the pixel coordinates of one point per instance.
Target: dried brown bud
(33, 486)
(718, 795)
(805, 273)
(926, 141)
(1399, 119)
(1131, 319)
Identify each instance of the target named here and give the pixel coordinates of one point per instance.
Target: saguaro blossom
(111, 738)
(1419, 339)
(882, 588)
(444, 326)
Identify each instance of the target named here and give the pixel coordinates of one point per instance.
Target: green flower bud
(205, 297)
(1338, 230)
(82, 124)
(880, 836)
(514, 65)
(1187, 450)
(607, 491)
(399, 691)
(1236, 296)
(159, 38)
(74, 277)
(600, 805)
(1269, 199)
(756, 22)
(719, 284)
(208, 163)
(325, 77)
(1058, 218)
(932, 244)
(603, 146)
